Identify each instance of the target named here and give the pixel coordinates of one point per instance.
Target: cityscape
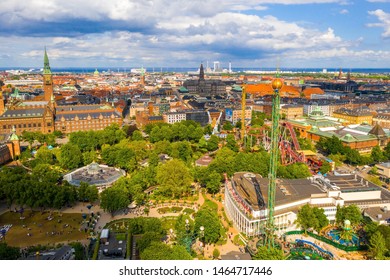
(195, 138)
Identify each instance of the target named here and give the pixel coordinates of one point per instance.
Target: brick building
(9, 147)
(45, 116)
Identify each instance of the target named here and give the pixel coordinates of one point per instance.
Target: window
(24, 125)
(19, 125)
(4, 126)
(39, 125)
(49, 124)
(29, 125)
(34, 125)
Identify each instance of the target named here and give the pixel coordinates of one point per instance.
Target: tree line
(41, 188)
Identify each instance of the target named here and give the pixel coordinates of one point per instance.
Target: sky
(184, 33)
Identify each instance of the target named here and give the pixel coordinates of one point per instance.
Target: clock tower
(47, 79)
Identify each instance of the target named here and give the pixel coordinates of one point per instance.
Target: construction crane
(243, 108)
(277, 84)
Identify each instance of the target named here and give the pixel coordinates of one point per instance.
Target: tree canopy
(162, 251)
(174, 178)
(311, 217)
(9, 252)
(71, 156)
(208, 218)
(114, 198)
(263, 253)
(351, 213)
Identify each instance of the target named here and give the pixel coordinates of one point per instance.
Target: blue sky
(181, 33)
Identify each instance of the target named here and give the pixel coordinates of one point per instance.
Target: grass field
(61, 229)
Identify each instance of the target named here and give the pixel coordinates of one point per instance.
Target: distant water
(186, 69)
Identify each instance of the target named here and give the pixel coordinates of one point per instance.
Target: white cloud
(129, 10)
(384, 21)
(379, 1)
(177, 33)
(344, 11)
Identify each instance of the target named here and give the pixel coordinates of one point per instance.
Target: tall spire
(201, 72)
(46, 65)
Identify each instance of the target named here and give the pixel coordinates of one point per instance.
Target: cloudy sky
(183, 33)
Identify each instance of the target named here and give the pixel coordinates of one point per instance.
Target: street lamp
(201, 233)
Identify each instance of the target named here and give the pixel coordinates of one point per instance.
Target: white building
(174, 117)
(246, 197)
(308, 108)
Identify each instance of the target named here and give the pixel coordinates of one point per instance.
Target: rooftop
(254, 189)
(23, 113)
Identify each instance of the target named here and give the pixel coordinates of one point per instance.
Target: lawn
(61, 229)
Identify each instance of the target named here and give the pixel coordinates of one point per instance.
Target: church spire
(201, 72)
(46, 65)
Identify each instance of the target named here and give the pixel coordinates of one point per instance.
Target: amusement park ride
(269, 237)
(282, 138)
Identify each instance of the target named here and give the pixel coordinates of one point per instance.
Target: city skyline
(254, 33)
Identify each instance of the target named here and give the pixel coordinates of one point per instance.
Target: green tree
(137, 136)
(385, 230)
(231, 143)
(120, 156)
(44, 155)
(386, 151)
(208, 218)
(147, 238)
(89, 157)
(46, 173)
(213, 182)
(227, 126)
(352, 156)
(331, 145)
(377, 154)
(306, 218)
(377, 246)
(174, 178)
(182, 150)
(161, 251)
(325, 167)
(322, 220)
(263, 253)
(216, 253)
(338, 159)
(79, 250)
(202, 145)
(71, 156)
(370, 228)
(212, 143)
(8, 252)
(208, 129)
(223, 161)
(351, 213)
(114, 198)
(153, 159)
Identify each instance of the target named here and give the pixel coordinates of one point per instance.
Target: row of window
(24, 125)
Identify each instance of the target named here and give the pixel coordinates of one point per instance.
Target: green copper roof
(14, 137)
(46, 65)
(183, 89)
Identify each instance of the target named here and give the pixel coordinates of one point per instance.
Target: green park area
(42, 228)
